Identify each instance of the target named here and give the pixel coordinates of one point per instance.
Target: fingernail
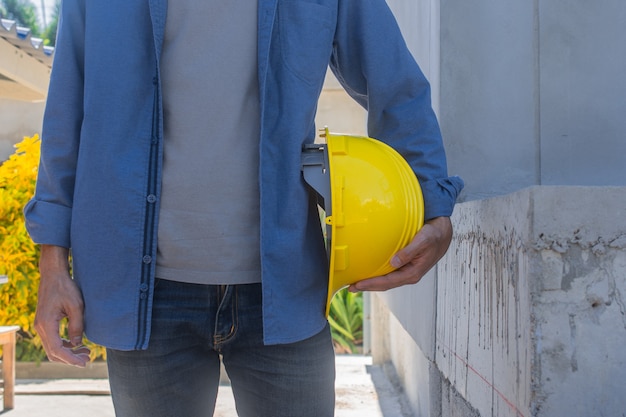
(396, 262)
(77, 341)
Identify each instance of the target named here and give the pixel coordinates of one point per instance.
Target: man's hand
(416, 259)
(59, 298)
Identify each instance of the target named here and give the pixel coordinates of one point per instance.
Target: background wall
(530, 101)
(18, 119)
(530, 311)
(533, 93)
(25, 65)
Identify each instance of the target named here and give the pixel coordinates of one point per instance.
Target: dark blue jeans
(192, 327)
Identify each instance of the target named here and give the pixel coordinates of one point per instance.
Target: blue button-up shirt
(100, 173)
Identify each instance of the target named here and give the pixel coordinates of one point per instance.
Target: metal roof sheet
(21, 38)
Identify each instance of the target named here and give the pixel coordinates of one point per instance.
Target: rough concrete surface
(362, 391)
(531, 304)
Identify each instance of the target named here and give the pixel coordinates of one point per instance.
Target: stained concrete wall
(531, 313)
(524, 316)
(483, 329)
(530, 316)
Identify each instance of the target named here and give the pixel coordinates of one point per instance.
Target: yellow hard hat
(372, 201)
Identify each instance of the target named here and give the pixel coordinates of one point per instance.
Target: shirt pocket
(306, 38)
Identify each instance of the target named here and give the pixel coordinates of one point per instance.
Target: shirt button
(143, 287)
(154, 80)
(147, 259)
(152, 198)
(143, 296)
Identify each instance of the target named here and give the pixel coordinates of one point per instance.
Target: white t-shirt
(209, 211)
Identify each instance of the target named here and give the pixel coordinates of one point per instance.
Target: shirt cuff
(48, 223)
(440, 196)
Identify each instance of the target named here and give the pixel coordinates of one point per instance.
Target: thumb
(407, 253)
(397, 260)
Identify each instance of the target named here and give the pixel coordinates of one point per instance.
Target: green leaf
(346, 320)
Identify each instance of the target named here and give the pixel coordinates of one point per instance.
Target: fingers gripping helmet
(372, 202)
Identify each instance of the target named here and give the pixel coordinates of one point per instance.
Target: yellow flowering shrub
(19, 256)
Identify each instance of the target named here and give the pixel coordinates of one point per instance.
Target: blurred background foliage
(19, 256)
(25, 13)
(346, 321)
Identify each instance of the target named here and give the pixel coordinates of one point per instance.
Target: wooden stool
(7, 340)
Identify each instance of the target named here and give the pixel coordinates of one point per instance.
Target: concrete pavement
(362, 389)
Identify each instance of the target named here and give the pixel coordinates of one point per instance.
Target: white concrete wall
(18, 119)
(528, 94)
(408, 314)
(530, 316)
(489, 94)
(419, 22)
(582, 88)
(533, 93)
(531, 303)
(483, 337)
(579, 301)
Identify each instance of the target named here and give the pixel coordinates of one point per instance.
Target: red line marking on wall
(479, 375)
